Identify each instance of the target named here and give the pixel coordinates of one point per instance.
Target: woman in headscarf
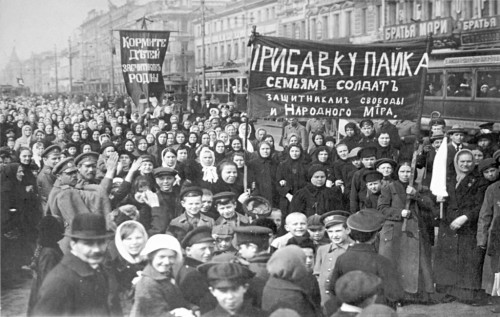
(94, 142)
(315, 197)
(169, 159)
(25, 138)
(318, 139)
(124, 258)
(156, 293)
(141, 146)
(262, 174)
(384, 147)
(322, 156)
(62, 140)
(49, 133)
(278, 156)
(160, 145)
(236, 146)
(220, 151)
(409, 250)
(352, 136)
(459, 261)
(203, 171)
(291, 176)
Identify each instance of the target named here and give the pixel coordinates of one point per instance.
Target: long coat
(312, 200)
(73, 288)
(409, 252)
(263, 173)
(459, 260)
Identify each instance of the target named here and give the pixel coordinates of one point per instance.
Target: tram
(225, 85)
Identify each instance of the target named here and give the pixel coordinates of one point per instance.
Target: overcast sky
(36, 25)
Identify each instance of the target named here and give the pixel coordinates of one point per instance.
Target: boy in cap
(316, 231)
(362, 256)
(368, 133)
(45, 179)
(198, 245)
(373, 180)
(253, 246)
(223, 236)
(207, 207)
(229, 282)
(296, 225)
(326, 255)
(368, 155)
(79, 285)
(356, 290)
(167, 196)
(191, 217)
(225, 203)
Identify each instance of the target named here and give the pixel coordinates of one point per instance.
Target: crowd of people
(160, 213)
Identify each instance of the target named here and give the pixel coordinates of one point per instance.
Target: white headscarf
(209, 172)
(119, 241)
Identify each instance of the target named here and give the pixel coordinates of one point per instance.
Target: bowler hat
(89, 226)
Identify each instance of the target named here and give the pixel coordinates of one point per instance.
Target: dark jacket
(156, 295)
(312, 200)
(245, 311)
(73, 288)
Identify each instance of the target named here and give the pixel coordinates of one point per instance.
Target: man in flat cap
(356, 290)
(79, 285)
(368, 156)
(198, 245)
(229, 282)
(223, 236)
(368, 133)
(191, 217)
(253, 246)
(65, 201)
(225, 203)
(167, 195)
(326, 255)
(363, 227)
(373, 181)
(45, 179)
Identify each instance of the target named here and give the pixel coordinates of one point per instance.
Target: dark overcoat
(312, 200)
(459, 260)
(73, 288)
(410, 252)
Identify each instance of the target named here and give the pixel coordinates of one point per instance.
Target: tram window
(245, 85)
(434, 84)
(488, 84)
(218, 87)
(459, 84)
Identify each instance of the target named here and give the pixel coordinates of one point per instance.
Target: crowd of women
(221, 151)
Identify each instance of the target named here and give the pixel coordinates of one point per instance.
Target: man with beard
(167, 194)
(79, 285)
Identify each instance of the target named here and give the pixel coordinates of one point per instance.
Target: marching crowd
(158, 213)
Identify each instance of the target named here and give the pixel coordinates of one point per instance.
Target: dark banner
(142, 55)
(298, 78)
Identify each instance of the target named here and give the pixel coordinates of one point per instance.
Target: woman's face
(180, 138)
(349, 132)
(164, 260)
(170, 139)
(223, 137)
(318, 179)
(118, 130)
(20, 173)
(72, 151)
(478, 155)
(95, 135)
(206, 158)
(75, 136)
(231, 130)
(129, 146)
(60, 134)
(134, 242)
(293, 140)
(220, 148)
(385, 169)
(342, 151)
(265, 150)
(108, 151)
(294, 153)
(205, 139)
(155, 130)
(146, 167)
(86, 148)
(162, 138)
(229, 174)
(270, 141)
(150, 138)
(323, 156)
(170, 159)
(384, 140)
(129, 135)
(239, 161)
(84, 134)
(38, 149)
(182, 155)
(318, 139)
(236, 145)
(142, 145)
(27, 131)
(193, 139)
(25, 157)
(49, 129)
(404, 173)
(39, 136)
(138, 129)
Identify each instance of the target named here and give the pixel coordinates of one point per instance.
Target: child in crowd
(296, 225)
(191, 218)
(225, 203)
(316, 231)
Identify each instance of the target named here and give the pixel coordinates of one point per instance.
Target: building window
(313, 30)
(336, 25)
(267, 15)
(363, 21)
(229, 51)
(236, 50)
(216, 55)
(348, 21)
(285, 30)
(326, 26)
(379, 16)
(302, 29)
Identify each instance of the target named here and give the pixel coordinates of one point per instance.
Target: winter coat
(73, 288)
(409, 252)
(312, 200)
(294, 172)
(262, 172)
(156, 295)
(459, 261)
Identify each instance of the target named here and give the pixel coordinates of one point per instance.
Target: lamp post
(55, 66)
(70, 66)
